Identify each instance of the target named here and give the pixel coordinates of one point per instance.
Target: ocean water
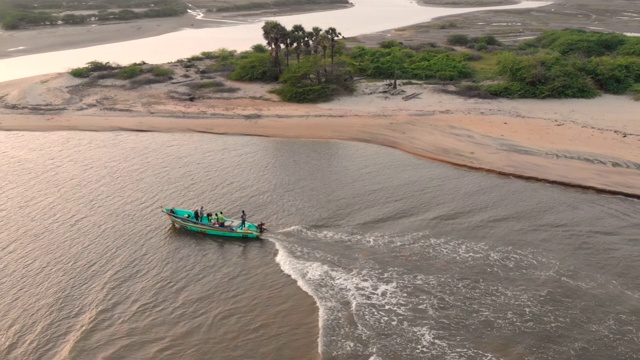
(371, 254)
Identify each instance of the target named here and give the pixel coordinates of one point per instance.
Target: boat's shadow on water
(179, 234)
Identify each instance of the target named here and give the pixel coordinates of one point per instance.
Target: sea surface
(371, 254)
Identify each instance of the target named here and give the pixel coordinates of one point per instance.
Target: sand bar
(592, 144)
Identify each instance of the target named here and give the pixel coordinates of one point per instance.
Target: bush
(391, 44)
(159, 71)
(614, 76)
(95, 66)
(256, 67)
(130, 72)
(631, 48)
(259, 49)
(305, 93)
(540, 76)
(482, 46)
(581, 43)
(81, 72)
(458, 39)
(489, 40)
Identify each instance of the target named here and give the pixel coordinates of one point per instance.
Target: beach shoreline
(589, 144)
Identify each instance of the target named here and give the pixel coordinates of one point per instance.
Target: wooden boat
(232, 228)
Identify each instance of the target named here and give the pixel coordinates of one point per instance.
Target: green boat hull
(185, 219)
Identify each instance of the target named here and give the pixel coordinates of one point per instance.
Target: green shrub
(528, 44)
(160, 71)
(256, 67)
(305, 93)
(458, 39)
(224, 54)
(196, 58)
(95, 65)
(391, 44)
(208, 55)
(130, 72)
(631, 48)
(612, 75)
(305, 71)
(482, 46)
(581, 43)
(259, 48)
(488, 40)
(81, 72)
(540, 76)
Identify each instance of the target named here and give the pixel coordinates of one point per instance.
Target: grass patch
(160, 71)
(485, 68)
(130, 72)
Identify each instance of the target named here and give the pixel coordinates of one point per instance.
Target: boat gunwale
(179, 220)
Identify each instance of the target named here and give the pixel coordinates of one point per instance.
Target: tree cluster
(303, 60)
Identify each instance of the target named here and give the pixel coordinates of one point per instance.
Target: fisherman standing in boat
(243, 217)
(196, 215)
(221, 219)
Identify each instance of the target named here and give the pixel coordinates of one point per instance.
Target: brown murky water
(403, 258)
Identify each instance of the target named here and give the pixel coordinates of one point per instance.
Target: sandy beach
(589, 144)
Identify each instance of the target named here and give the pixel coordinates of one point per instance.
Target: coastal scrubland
(315, 65)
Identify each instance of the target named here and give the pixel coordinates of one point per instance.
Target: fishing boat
(232, 228)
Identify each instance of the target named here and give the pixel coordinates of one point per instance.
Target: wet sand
(591, 144)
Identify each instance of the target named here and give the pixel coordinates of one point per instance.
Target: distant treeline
(276, 3)
(20, 15)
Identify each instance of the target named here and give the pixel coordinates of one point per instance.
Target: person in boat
(196, 215)
(261, 227)
(243, 217)
(202, 213)
(209, 217)
(221, 219)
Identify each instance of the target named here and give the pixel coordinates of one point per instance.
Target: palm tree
(274, 33)
(314, 36)
(288, 42)
(333, 35)
(299, 38)
(324, 43)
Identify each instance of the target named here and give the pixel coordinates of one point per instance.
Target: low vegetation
(315, 65)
